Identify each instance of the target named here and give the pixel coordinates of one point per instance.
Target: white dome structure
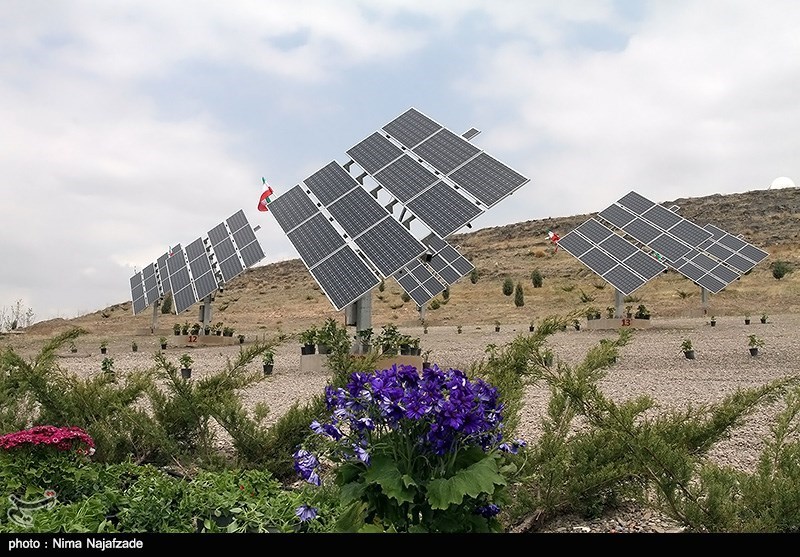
(782, 182)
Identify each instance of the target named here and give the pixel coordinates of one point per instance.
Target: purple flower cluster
(305, 513)
(62, 438)
(305, 464)
(442, 409)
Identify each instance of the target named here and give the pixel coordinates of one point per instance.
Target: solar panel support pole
(205, 312)
(359, 313)
(619, 301)
(704, 299)
(155, 318)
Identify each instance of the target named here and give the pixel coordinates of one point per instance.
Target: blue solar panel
(446, 151)
(374, 153)
(291, 209)
(330, 183)
(411, 127)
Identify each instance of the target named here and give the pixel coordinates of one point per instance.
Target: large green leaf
(384, 472)
(351, 492)
(473, 480)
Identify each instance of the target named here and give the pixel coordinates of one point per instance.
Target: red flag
(262, 203)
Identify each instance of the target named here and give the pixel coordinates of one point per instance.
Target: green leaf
(477, 478)
(408, 481)
(383, 471)
(370, 529)
(351, 492)
(352, 517)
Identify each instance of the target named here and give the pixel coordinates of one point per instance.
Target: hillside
(284, 295)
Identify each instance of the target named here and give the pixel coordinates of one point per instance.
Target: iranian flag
(265, 195)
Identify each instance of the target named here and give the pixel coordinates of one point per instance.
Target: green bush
(166, 305)
(508, 286)
(537, 278)
(434, 304)
(781, 268)
(519, 296)
(473, 276)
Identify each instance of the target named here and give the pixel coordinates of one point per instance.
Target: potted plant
(415, 349)
(755, 343)
(218, 328)
(642, 312)
(227, 331)
(241, 339)
(629, 311)
(104, 347)
(763, 317)
(746, 318)
(195, 329)
(163, 342)
(308, 341)
(496, 326)
(458, 329)
(72, 347)
(713, 321)
(268, 359)
(326, 336)
(207, 330)
(532, 326)
(610, 312)
(364, 337)
(576, 324)
(389, 339)
(688, 349)
(107, 365)
(425, 359)
(176, 328)
(134, 346)
(186, 365)
(185, 328)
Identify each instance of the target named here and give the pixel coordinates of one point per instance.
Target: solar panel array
(191, 274)
(708, 255)
(410, 158)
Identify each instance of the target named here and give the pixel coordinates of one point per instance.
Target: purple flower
(361, 454)
(488, 511)
(305, 465)
(305, 513)
(513, 447)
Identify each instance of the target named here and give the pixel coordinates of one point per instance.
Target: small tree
(166, 305)
(473, 276)
(508, 287)
(405, 297)
(536, 278)
(519, 296)
(780, 269)
(381, 286)
(446, 294)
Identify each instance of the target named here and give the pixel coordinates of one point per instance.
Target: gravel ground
(652, 364)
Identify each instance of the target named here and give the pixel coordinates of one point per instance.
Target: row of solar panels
(191, 274)
(423, 166)
(611, 246)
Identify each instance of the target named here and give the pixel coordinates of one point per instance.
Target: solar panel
(412, 277)
(163, 274)
(738, 262)
(598, 261)
(374, 152)
(724, 273)
(443, 209)
(719, 251)
(711, 283)
(753, 253)
(218, 233)
(462, 265)
(357, 211)
(661, 217)
(137, 293)
(344, 277)
(237, 221)
(405, 178)
(183, 294)
(389, 245)
(616, 215)
(252, 254)
(575, 244)
(150, 283)
(243, 237)
(411, 127)
(635, 202)
(292, 208)
(641, 231)
(184, 299)
(623, 279)
(446, 151)
(330, 183)
(315, 239)
(444, 270)
(689, 233)
(691, 271)
(434, 242)
(701, 260)
(594, 231)
(224, 249)
(618, 247)
(669, 247)
(205, 284)
(195, 249)
(487, 179)
(644, 265)
(230, 268)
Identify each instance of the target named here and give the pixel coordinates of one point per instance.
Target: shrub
(473, 276)
(382, 286)
(405, 297)
(519, 296)
(166, 305)
(446, 294)
(781, 268)
(508, 286)
(537, 278)
(434, 304)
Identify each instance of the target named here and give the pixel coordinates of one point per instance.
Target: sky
(128, 127)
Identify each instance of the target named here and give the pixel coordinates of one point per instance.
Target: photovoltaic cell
(224, 249)
(669, 247)
(616, 215)
(753, 253)
(446, 151)
(732, 242)
(184, 299)
(389, 245)
(594, 231)
(725, 274)
(405, 178)
(644, 265)
(237, 221)
(689, 233)
(137, 293)
(230, 268)
(330, 183)
(641, 230)
(635, 202)
(487, 179)
(357, 211)
(598, 261)
(205, 284)
(736, 261)
(411, 127)
(195, 249)
(691, 271)
(344, 277)
(618, 247)
(574, 243)
(661, 217)
(218, 233)
(252, 254)
(150, 284)
(374, 152)
(623, 279)
(315, 239)
(711, 283)
(291, 209)
(443, 210)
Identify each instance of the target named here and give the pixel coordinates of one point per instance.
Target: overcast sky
(130, 126)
